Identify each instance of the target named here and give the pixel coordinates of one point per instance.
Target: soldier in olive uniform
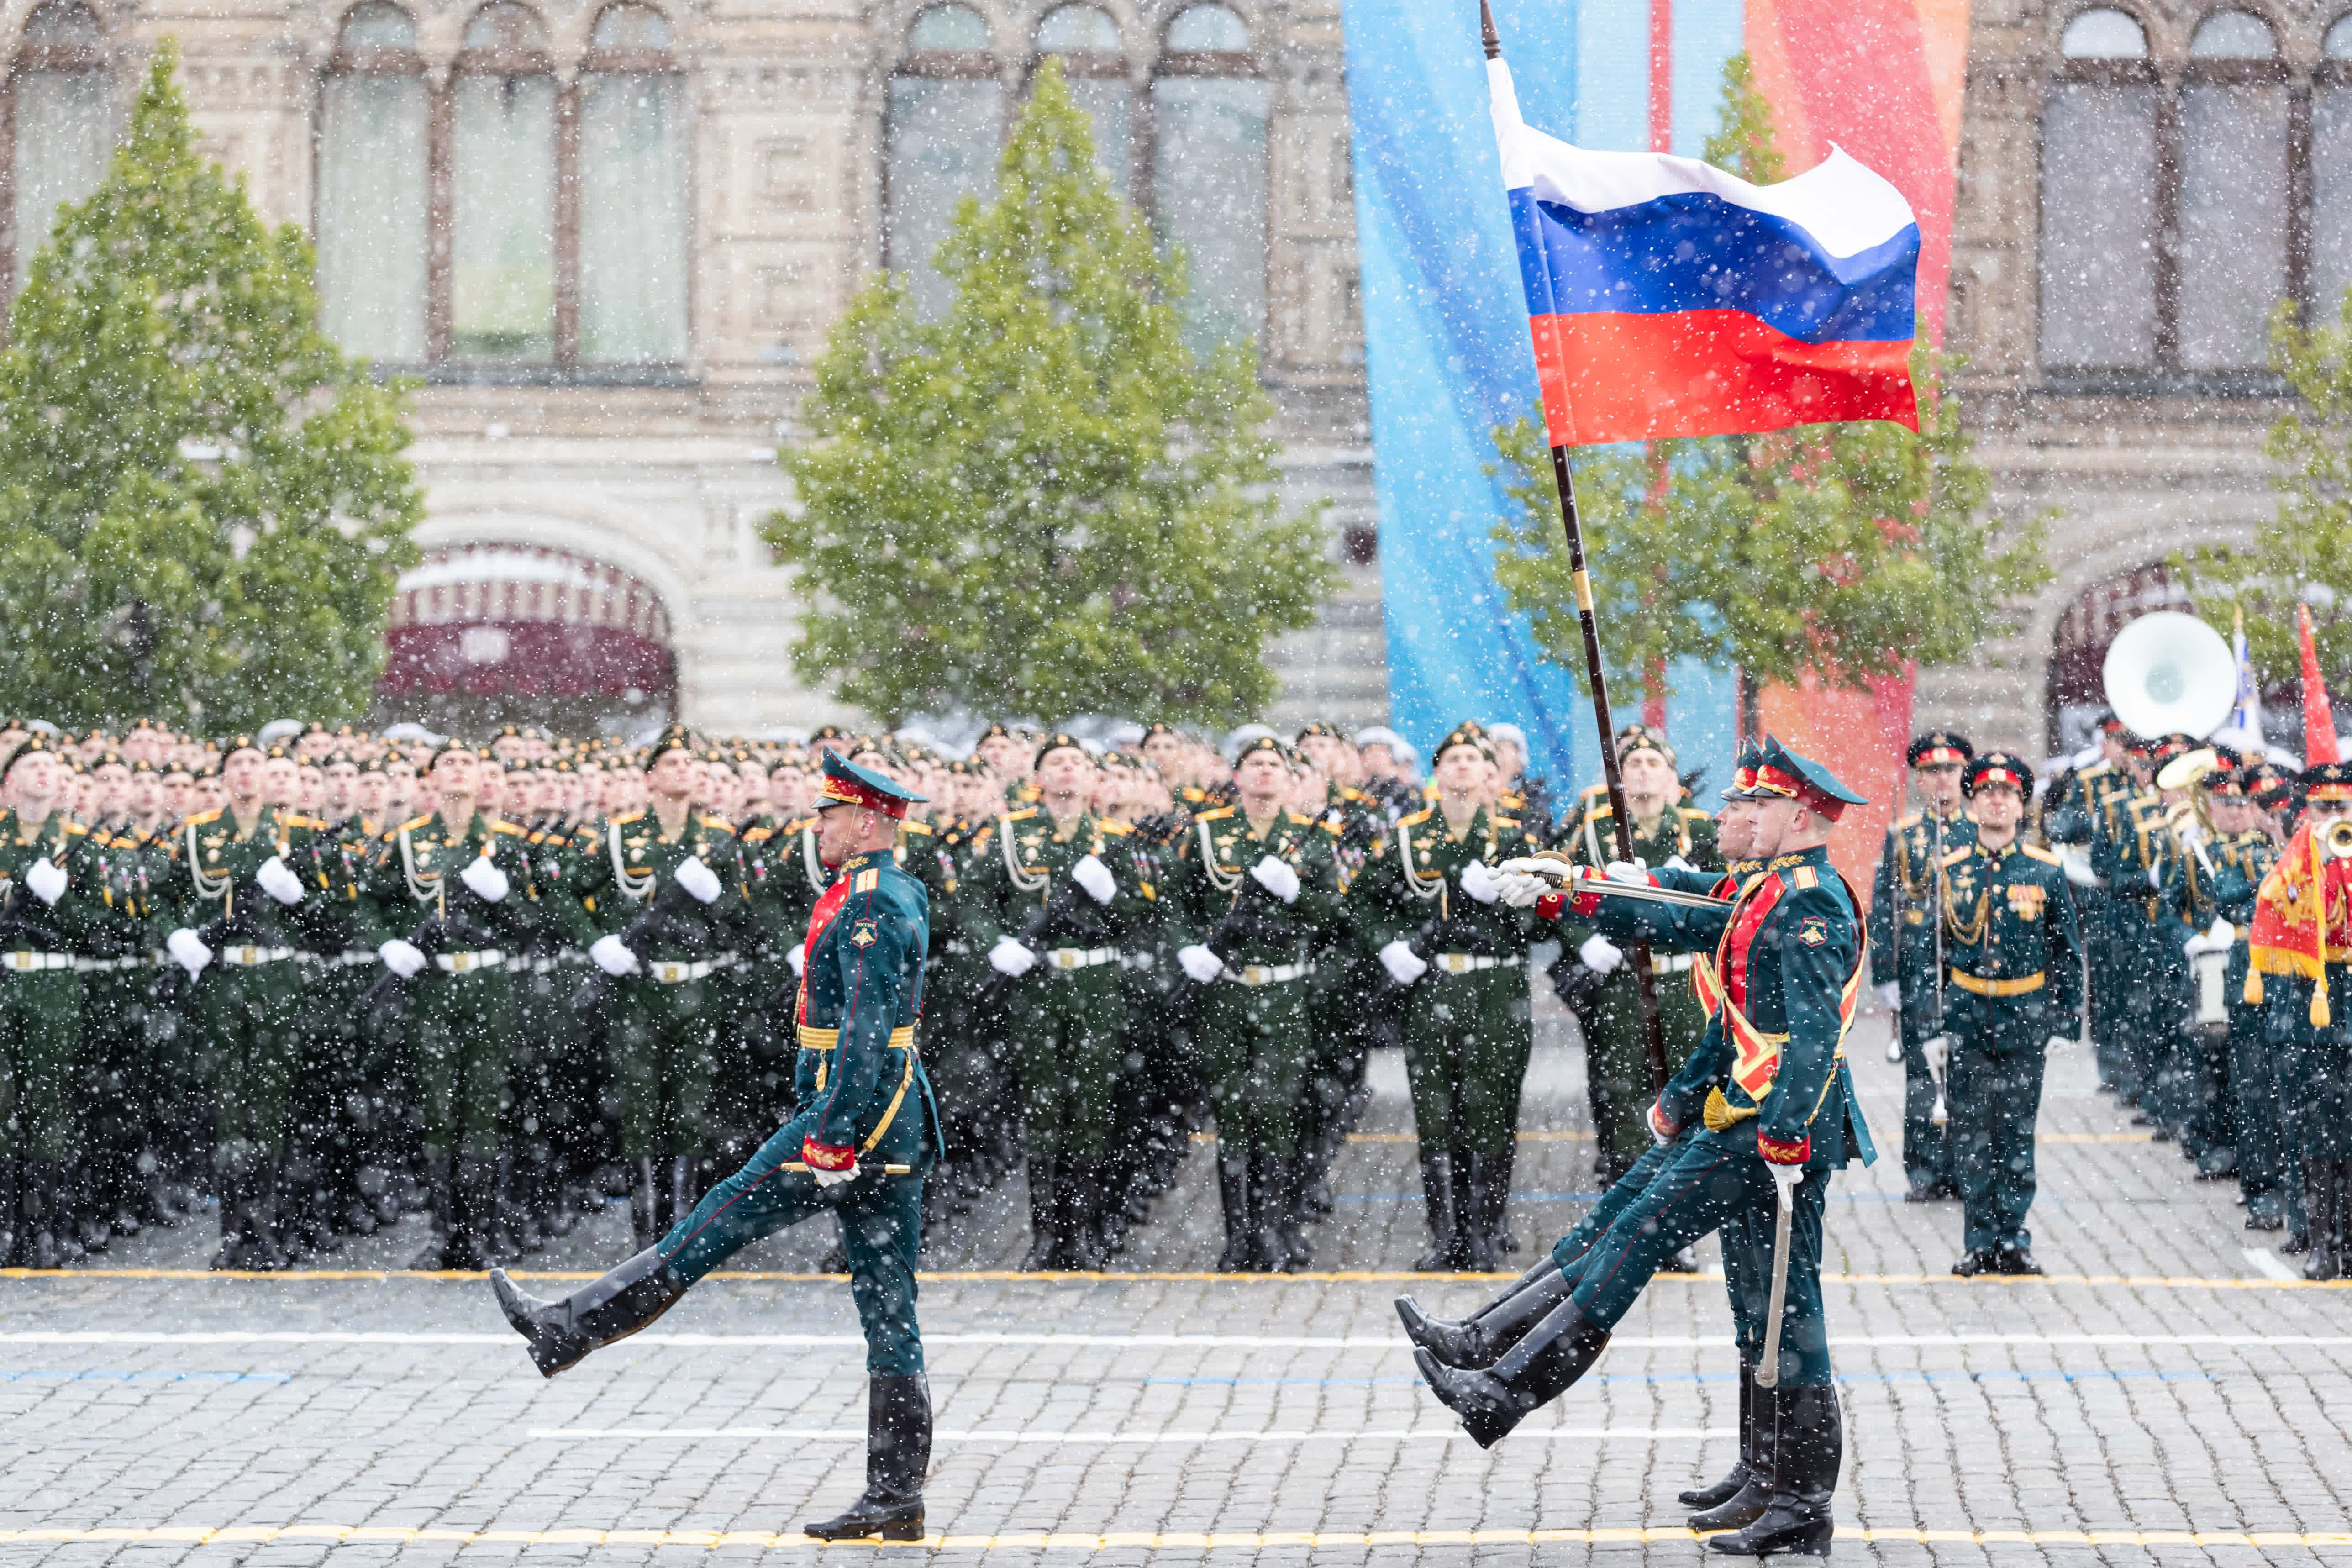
(2091, 804)
(859, 1147)
(226, 901)
(1617, 1045)
(1044, 898)
(454, 889)
(116, 975)
(1430, 906)
(1906, 946)
(2014, 993)
(659, 947)
(1253, 949)
(2243, 851)
(48, 884)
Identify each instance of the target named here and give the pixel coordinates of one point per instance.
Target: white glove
(1626, 872)
(401, 956)
(47, 880)
(1478, 882)
(1520, 890)
(188, 950)
(1600, 955)
(1277, 878)
(2223, 935)
(829, 1178)
(797, 957)
(2059, 1042)
(1010, 958)
(482, 875)
(1786, 1177)
(699, 879)
(2195, 946)
(1936, 1049)
(2190, 833)
(612, 955)
(1890, 996)
(2077, 866)
(278, 882)
(1676, 863)
(1095, 877)
(1403, 964)
(2155, 877)
(1200, 962)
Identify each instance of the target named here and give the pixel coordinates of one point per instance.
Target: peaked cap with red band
(1743, 771)
(1998, 767)
(1782, 772)
(1938, 746)
(847, 783)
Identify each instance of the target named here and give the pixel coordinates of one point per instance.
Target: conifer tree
(1043, 503)
(203, 505)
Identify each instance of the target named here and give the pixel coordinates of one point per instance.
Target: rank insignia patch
(862, 934)
(1813, 931)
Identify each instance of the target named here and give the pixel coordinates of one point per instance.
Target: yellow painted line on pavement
(1220, 1541)
(1200, 1276)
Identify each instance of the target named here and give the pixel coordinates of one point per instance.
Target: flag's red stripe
(1609, 377)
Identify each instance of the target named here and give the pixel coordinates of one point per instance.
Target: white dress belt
(1079, 957)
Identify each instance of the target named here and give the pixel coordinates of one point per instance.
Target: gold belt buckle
(1256, 974)
(667, 973)
(244, 955)
(1453, 963)
(1066, 957)
(459, 963)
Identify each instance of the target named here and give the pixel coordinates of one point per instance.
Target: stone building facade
(609, 239)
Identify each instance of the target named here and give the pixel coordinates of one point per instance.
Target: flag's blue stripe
(1694, 251)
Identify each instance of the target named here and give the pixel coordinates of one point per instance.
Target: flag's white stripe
(1845, 207)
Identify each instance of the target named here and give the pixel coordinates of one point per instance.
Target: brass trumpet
(2334, 839)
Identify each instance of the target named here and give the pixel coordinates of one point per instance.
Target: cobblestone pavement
(2166, 1395)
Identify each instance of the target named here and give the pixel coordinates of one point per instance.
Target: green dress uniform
(1906, 891)
(2129, 852)
(335, 932)
(2015, 980)
(1254, 1026)
(661, 1031)
(2090, 804)
(1617, 1047)
(461, 1025)
(117, 1059)
(1467, 1026)
(1066, 1017)
(244, 1008)
(2199, 1089)
(2241, 861)
(40, 1028)
(868, 1123)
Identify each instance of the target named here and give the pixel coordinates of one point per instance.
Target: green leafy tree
(203, 505)
(1848, 550)
(1043, 502)
(2306, 552)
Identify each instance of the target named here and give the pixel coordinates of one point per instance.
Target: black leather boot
(1080, 1200)
(1724, 1490)
(1044, 1215)
(645, 1204)
(1444, 1235)
(1544, 1364)
(1758, 1459)
(1480, 1213)
(11, 1225)
(441, 1207)
(1268, 1254)
(478, 1208)
(228, 1177)
(677, 1192)
(1291, 1216)
(1234, 1195)
(1478, 1342)
(1808, 1445)
(898, 1455)
(44, 1246)
(2322, 1197)
(1499, 1223)
(594, 1316)
(263, 1249)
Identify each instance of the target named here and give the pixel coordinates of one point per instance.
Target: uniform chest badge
(1813, 931)
(2025, 900)
(862, 935)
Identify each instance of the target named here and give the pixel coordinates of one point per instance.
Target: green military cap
(677, 738)
(1641, 738)
(1056, 743)
(235, 744)
(1258, 744)
(1467, 733)
(36, 741)
(1998, 768)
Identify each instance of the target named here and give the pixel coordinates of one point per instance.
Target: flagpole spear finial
(1486, 33)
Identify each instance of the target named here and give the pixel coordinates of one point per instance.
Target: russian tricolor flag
(1668, 297)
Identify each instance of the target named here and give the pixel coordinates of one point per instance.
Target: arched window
(633, 192)
(2103, 32)
(374, 190)
(947, 120)
(2338, 43)
(2331, 175)
(1087, 41)
(2099, 220)
(2235, 211)
(502, 189)
(1209, 171)
(63, 119)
